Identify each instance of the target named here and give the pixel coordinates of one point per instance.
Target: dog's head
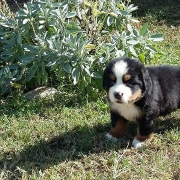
(125, 80)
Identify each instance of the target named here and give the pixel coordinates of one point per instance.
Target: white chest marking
(128, 111)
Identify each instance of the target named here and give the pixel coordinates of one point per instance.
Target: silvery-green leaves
(70, 39)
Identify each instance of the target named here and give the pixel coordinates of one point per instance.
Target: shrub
(69, 40)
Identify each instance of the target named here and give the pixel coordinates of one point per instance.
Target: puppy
(141, 94)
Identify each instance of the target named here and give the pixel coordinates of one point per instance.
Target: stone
(40, 92)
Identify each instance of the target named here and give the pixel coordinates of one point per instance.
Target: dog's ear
(146, 79)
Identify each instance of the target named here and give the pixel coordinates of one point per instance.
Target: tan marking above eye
(112, 77)
(127, 77)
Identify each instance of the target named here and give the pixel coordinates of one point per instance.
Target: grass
(64, 137)
(170, 47)
(163, 16)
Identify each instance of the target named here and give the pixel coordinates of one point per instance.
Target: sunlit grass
(56, 139)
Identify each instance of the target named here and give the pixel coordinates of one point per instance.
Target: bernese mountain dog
(141, 94)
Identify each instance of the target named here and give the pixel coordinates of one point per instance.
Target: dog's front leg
(144, 131)
(118, 126)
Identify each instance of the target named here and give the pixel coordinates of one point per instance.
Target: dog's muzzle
(118, 97)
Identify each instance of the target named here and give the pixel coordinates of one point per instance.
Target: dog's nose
(118, 95)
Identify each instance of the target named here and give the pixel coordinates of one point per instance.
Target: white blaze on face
(119, 70)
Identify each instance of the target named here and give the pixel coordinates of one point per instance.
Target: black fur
(160, 87)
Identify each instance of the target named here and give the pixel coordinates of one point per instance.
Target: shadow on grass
(73, 145)
(161, 10)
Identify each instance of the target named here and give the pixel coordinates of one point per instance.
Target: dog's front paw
(136, 143)
(110, 137)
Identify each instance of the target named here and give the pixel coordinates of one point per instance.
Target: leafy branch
(70, 40)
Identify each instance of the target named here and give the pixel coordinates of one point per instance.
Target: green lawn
(64, 137)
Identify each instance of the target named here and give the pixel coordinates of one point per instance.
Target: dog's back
(168, 80)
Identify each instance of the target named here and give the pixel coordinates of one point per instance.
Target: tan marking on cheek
(119, 129)
(112, 77)
(143, 138)
(127, 77)
(136, 96)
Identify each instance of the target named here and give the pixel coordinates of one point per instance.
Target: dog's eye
(126, 77)
(112, 77)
